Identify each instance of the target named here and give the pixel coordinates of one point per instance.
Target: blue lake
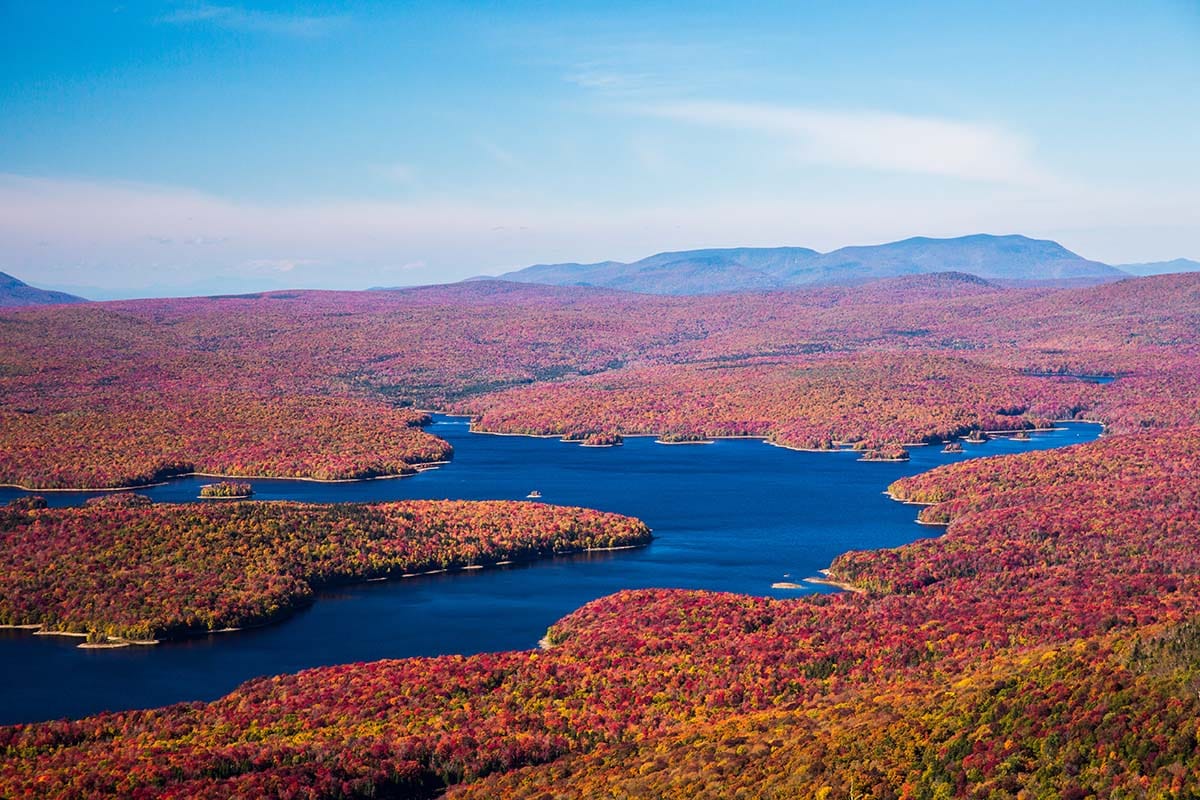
(735, 515)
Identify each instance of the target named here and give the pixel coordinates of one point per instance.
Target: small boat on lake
(534, 495)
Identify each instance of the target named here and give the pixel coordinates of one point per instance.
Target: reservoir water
(735, 515)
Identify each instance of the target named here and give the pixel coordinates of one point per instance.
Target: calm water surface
(734, 516)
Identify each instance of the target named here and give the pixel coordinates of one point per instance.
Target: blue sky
(172, 148)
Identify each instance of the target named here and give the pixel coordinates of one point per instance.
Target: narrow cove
(732, 516)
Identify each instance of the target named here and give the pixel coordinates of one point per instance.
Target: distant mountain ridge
(1003, 258)
(1161, 267)
(684, 272)
(15, 292)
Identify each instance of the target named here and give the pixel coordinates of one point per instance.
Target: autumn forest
(1042, 641)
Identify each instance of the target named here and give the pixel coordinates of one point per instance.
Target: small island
(226, 490)
(677, 437)
(952, 447)
(595, 439)
(602, 440)
(887, 452)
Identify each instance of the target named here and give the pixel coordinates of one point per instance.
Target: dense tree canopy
(322, 384)
(123, 567)
(1044, 646)
(1044, 643)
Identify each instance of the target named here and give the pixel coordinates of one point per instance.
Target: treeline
(125, 568)
(871, 400)
(139, 439)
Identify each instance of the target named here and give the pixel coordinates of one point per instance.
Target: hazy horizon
(176, 148)
(209, 285)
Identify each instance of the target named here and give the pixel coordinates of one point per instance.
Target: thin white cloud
(613, 82)
(74, 232)
(875, 140)
(243, 19)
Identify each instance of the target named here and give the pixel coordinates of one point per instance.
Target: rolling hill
(14, 292)
(1162, 267)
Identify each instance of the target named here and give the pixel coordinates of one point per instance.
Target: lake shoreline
(286, 612)
(706, 503)
(424, 466)
(766, 438)
(846, 587)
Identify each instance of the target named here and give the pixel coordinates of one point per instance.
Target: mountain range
(14, 292)
(1006, 259)
(1162, 267)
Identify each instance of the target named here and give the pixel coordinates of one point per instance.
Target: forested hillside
(323, 385)
(1044, 646)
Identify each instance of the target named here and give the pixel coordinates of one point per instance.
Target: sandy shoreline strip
(906, 502)
(527, 435)
(109, 644)
(765, 438)
(825, 580)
